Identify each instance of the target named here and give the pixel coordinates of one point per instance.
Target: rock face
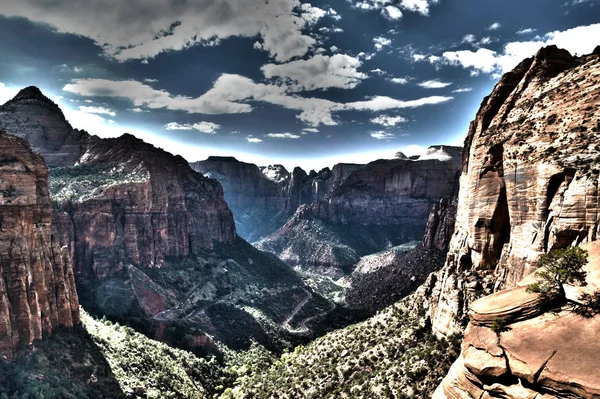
(539, 354)
(152, 206)
(118, 200)
(380, 205)
(37, 288)
(529, 181)
(40, 121)
(262, 199)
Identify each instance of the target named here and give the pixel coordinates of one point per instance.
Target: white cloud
(526, 31)
(434, 84)
(463, 90)
(388, 121)
(333, 14)
(283, 135)
(142, 29)
(77, 69)
(98, 110)
(469, 38)
(392, 12)
(204, 127)
(418, 57)
(253, 140)
(6, 93)
(381, 42)
(399, 81)
(382, 103)
(382, 135)
(485, 40)
(233, 94)
(378, 71)
(495, 26)
(578, 40)
(147, 80)
(310, 130)
(138, 110)
(318, 72)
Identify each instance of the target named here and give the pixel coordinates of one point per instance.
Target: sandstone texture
(262, 199)
(529, 182)
(121, 200)
(378, 206)
(37, 285)
(539, 354)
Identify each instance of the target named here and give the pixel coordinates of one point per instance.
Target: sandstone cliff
(262, 199)
(529, 181)
(380, 205)
(118, 200)
(37, 288)
(540, 353)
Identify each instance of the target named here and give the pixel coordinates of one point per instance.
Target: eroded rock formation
(538, 354)
(118, 200)
(37, 286)
(529, 181)
(380, 205)
(263, 199)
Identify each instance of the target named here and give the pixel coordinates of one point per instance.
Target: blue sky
(283, 81)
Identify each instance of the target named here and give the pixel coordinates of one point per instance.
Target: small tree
(560, 267)
(565, 266)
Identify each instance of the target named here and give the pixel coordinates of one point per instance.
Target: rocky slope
(541, 352)
(380, 205)
(37, 288)
(262, 199)
(529, 181)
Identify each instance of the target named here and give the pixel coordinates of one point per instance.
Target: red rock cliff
(529, 181)
(37, 288)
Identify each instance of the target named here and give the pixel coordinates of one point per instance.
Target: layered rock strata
(37, 286)
(529, 181)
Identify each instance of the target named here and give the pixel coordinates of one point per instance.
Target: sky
(280, 81)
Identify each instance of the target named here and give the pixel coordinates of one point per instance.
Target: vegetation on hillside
(390, 355)
(79, 183)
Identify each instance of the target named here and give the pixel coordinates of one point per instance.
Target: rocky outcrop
(151, 206)
(40, 121)
(529, 181)
(263, 198)
(37, 286)
(380, 205)
(537, 354)
(120, 200)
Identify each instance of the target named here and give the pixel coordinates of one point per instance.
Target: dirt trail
(303, 328)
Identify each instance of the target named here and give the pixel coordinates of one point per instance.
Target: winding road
(303, 328)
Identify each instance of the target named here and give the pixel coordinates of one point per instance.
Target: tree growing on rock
(562, 267)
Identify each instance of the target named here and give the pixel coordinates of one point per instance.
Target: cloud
(388, 121)
(283, 135)
(253, 140)
(382, 135)
(495, 26)
(381, 42)
(204, 127)
(318, 72)
(526, 31)
(463, 90)
(382, 103)
(98, 110)
(147, 80)
(310, 130)
(469, 38)
(434, 84)
(137, 110)
(6, 93)
(419, 6)
(232, 94)
(392, 12)
(399, 81)
(578, 40)
(378, 71)
(142, 29)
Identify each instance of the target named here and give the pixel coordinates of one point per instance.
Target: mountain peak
(30, 93)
